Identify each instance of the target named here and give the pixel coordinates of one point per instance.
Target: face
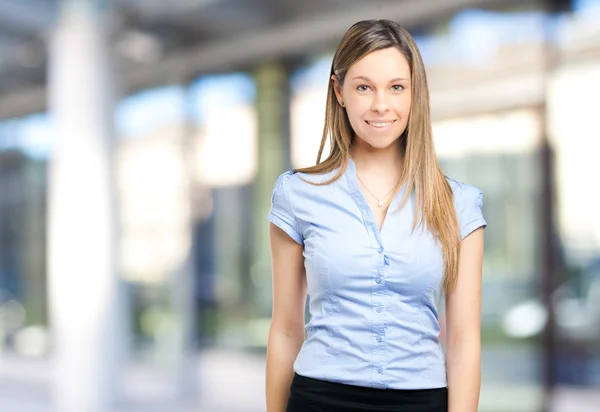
(377, 97)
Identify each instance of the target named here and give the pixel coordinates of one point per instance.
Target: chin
(381, 142)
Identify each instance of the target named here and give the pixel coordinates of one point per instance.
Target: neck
(377, 162)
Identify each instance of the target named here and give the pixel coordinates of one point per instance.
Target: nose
(380, 103)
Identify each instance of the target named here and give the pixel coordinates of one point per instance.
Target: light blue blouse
(373, 316)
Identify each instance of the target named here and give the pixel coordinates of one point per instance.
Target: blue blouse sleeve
(468, 201)
(282, 215)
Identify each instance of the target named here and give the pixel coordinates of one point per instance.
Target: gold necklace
(379, 201)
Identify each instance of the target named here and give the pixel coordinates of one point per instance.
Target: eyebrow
(368, 80)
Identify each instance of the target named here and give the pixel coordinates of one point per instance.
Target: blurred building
(22, 234)
(204, 126)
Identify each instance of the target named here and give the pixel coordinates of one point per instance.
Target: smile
(380, 125)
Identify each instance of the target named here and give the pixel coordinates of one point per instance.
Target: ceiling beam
(26, 17)
(295, 37)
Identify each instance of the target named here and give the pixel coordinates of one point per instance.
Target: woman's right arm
(286, 333)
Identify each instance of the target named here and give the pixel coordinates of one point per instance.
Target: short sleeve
(468, 201)
(282, 215)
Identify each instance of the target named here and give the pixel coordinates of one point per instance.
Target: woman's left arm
(463, 328)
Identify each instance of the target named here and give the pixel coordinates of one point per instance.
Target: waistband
(339, 396)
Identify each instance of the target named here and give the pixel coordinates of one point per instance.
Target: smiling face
(377, 96)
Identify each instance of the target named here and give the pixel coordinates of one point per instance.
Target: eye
(397, 87)
(362, 88)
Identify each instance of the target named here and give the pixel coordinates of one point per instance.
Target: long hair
(420, 172)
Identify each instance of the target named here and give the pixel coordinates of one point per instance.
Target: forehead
(381, 65)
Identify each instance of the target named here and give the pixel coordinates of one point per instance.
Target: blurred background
(139, 144)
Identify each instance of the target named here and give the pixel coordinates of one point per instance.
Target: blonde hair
(421, 173)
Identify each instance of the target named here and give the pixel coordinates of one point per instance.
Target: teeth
(380, 124)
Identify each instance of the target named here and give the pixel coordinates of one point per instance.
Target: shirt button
(379, 338)
(331, 333)
(379, 249)
(379, 309)
(378, 280)
(379, 369)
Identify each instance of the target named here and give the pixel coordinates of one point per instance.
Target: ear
(338, 90)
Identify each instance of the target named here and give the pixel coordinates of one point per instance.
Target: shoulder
(299, 184)
(464, 191)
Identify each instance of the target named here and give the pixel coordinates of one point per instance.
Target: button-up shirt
(372, 293)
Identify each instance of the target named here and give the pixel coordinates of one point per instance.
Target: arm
(463, 317)
(286, 333)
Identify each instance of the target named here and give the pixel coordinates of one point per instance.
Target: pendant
(380, 203)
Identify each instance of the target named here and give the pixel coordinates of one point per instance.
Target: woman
(371, 233)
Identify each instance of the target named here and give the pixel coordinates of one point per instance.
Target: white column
(86, 312)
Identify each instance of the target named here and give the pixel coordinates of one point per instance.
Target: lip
(380, 129)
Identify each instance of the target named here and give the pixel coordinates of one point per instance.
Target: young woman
(371, 233)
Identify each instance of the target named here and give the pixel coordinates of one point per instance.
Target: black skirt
(314, 395)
